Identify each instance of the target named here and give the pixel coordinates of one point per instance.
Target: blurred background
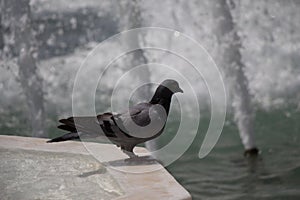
(255, 44)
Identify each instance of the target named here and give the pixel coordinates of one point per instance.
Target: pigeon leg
(128, 150)
(130, 153)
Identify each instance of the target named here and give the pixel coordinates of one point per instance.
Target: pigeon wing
(135, 122)
(99, 125)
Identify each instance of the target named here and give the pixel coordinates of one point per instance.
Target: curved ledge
(117, 177)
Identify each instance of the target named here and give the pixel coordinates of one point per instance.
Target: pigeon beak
(180, 90)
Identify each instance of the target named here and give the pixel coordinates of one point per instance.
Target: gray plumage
(142, 122)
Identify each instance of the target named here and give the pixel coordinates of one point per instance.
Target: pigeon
(142, 122)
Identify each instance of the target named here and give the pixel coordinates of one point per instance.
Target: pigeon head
(172, 85)
(165, 91)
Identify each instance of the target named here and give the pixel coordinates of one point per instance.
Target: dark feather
(67, 128)
(68, 136)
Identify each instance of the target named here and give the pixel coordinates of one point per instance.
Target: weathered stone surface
(33, 169)
(27, 174)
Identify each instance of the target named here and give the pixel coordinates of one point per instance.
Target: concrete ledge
(131, 178)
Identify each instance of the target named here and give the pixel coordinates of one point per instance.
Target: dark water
(226, 174)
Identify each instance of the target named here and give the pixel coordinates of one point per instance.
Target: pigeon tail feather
(68, 136)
